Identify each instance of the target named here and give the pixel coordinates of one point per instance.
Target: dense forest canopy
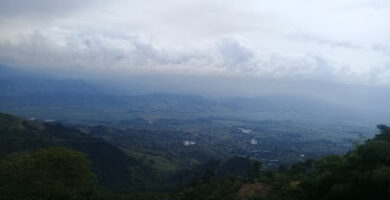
(53, 173)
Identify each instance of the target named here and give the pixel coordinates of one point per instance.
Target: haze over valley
(194, 100)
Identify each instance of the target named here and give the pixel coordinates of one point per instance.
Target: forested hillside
(109, 162)
(131, 170)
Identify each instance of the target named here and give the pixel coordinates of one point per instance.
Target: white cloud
(345, 41)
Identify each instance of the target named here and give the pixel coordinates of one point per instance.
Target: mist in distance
(331, 51)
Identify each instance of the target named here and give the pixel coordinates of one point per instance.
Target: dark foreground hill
(110, 163)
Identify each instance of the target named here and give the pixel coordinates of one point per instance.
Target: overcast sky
(344, 41)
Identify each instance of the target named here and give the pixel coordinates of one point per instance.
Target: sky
(338, 41)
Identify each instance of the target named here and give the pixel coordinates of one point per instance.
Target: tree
(54, 173)
(385, 133)
(254, 170)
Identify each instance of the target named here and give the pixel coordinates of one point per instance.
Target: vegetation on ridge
(44, 171)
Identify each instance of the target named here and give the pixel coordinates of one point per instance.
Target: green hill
(140, 171)
(114, 168)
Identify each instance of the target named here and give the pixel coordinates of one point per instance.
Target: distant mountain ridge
(26, 97)
(25, 92)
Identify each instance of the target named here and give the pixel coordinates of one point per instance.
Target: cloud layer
(346, 41)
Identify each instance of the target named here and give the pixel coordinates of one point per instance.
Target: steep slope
(109, 163)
